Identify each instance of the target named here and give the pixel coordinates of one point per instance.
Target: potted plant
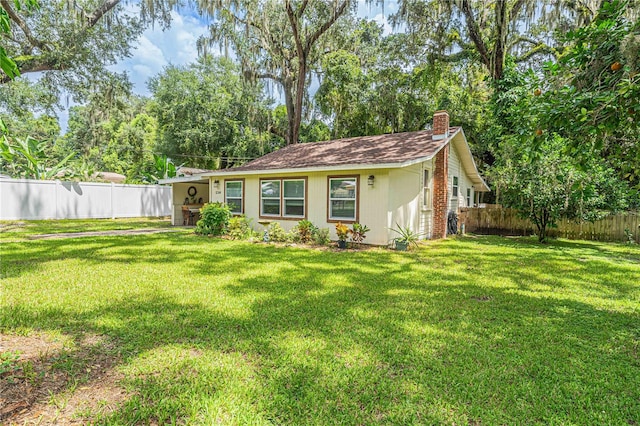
(406, 237)
(343, 232)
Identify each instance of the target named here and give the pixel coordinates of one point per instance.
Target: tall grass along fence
(43, 199)
(503, 221)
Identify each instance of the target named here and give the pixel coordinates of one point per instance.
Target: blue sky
(157, 48)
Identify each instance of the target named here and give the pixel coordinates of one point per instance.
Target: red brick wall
(440, 124)
(440, 193)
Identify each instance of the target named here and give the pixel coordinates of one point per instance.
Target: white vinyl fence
(45, 199)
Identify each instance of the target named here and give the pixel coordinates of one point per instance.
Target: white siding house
(384, 181)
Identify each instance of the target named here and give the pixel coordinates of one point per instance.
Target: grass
(15, 230)
(474, 330)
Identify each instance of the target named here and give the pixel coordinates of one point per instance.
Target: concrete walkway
(101, 233)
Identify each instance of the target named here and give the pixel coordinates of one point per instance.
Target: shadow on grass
(302, 336)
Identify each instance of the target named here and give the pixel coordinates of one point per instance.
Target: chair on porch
(187, 216)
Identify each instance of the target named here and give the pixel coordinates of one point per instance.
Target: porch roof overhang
(201, 178)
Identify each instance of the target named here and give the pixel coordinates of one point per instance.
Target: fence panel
(34, 199)
(503, 221)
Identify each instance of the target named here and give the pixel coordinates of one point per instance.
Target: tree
(278, 41)
(130, 150)
(545, 184)
(93, 125)
(535, 172)
(592, 95)
(492, 29)
(207, 117)
(72, 43)
(7, 64)
(27, 158)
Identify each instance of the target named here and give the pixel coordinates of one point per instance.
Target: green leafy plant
(321, 236)
(8, 362)
(214, 219)
(277, 233)
(358, 232)
(406, 236)
(27, 157)
(628, 235)
(163, 168)
(304, 231)
(239, 228)
(342, 231)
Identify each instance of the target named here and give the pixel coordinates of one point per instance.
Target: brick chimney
(440, 125)
(440, 176)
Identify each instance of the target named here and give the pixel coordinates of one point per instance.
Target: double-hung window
(234, 195)
(293, 197)
(270, 198)
(468, 197)
(426, 199)
(343, 198)
(283, 198)
(455, 186)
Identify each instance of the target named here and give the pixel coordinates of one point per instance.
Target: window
(468, 197)
(234, 195)
(293, 196)
(426, 201)
(343, 199)
(270, 198)
(455, 186)
(283, 198)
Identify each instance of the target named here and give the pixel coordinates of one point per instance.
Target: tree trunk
(297, 115)
(289, 103)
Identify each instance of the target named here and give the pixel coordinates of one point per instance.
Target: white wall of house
(405, 200)
(372, 200)
(44, 199)
(456, 169)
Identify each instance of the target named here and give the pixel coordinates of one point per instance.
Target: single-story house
(409, 179)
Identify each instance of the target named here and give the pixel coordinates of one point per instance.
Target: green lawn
(11, 230)
(474, 330)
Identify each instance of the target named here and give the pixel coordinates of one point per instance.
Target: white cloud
(157, 48)
(382, 20)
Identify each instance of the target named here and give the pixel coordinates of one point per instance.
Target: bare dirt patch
(60, 381)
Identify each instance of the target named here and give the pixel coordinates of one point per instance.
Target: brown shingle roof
(382, 149)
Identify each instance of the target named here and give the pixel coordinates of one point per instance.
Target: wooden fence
(502, 221)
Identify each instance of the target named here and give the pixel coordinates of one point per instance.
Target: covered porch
(190, 193)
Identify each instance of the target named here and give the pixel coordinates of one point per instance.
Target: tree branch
(99, 12)
(474, 33)
(336, 14)
(541, 49)
(293, 20)
(6, 5)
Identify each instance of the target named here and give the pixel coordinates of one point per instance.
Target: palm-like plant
(28, 158)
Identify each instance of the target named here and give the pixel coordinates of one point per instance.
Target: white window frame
(455, 187)
(283, 210)
(426, 190)
(226, 197)
(279, 198)
(468, 197)
(332, 218)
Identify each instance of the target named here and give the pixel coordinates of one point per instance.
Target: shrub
(239, 228)
(277, 233)
(321, 237)
(214, 219)
(358, 233)
(304, 231)
(342, 231)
